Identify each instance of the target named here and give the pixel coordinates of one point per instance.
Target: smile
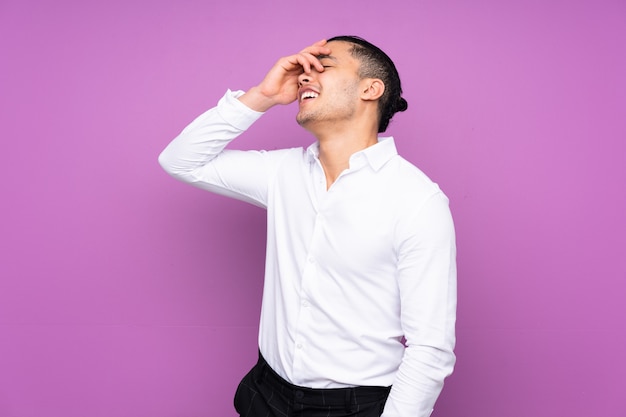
(308, 94)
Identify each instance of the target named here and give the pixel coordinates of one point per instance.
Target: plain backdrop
(124, 293)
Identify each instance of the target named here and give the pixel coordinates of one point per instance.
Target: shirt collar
(376, 156)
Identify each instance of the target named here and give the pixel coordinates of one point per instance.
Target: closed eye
(326, 59)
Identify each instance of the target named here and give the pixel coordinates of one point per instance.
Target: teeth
(308, 94)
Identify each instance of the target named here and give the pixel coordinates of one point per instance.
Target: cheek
(339, 87)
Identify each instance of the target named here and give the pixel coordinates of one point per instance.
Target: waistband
(334, 397)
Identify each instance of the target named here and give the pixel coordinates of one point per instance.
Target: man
(359, 300)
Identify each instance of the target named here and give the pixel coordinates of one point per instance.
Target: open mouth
(307, 95)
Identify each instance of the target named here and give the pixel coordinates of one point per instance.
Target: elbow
(164, 161)
(176, 166)
(168, 163)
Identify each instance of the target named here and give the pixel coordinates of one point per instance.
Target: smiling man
(359, 300)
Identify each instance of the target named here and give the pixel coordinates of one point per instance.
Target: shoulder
(415, 184)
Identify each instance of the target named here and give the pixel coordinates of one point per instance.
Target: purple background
(126, 293)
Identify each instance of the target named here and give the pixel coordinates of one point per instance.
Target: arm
(427, 283)
(197, 155)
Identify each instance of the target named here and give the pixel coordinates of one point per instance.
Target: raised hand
(280, 85)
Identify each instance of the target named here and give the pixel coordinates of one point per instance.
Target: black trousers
(263, 393)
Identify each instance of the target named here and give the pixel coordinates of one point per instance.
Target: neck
(337, 145)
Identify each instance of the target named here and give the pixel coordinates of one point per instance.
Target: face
(331, 95)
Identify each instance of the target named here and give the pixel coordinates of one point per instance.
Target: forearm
(209, 134)
(257, 100)
(419, 382)
(206, 137)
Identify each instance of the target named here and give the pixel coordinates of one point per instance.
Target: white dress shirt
(360, 278)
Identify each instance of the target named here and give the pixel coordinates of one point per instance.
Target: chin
(303, 119)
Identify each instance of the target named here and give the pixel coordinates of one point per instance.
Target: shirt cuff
(235, 113)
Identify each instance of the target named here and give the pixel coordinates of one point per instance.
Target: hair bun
(401, 104)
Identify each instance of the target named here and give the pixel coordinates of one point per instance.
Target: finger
(312, 61)
(299, 61)
(307, 58)
(318, 44)
(318, 48)
(304, 63)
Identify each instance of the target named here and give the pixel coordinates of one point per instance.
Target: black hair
(376, 64)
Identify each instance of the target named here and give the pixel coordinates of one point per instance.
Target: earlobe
(373, 89)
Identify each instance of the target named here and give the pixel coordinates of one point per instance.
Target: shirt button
(299, 345)
(305, 303)
(311, 260)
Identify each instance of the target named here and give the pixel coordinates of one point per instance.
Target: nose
(305, 78)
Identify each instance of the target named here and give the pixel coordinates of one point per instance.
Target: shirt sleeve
(427, 284)
(197, 155)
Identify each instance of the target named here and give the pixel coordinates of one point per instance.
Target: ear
(372, 89)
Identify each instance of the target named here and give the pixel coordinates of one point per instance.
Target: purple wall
(119, 297)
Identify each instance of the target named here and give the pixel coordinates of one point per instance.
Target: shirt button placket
(308, 278)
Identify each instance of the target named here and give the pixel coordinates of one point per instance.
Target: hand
(280, 85)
